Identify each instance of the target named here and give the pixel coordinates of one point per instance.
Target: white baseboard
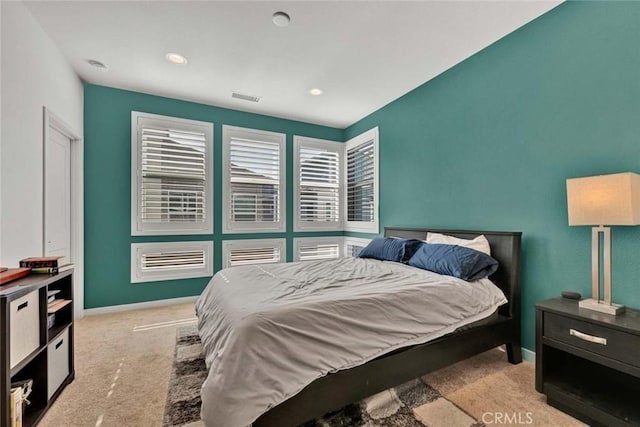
(138, 305)
(528, 355)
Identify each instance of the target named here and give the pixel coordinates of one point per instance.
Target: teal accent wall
(489, 144)
(107, 184)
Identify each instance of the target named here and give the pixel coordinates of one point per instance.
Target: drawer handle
(23, 305)
(587, 337)
(59, 344)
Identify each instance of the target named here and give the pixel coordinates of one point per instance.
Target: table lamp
(599, 201)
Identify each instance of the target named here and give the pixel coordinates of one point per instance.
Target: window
(314, 248)
(256, 251)
(244, 207)
(171, 170)
(317, 184)
(353, 246)
(253, 180)
(183, 205)
(361, 198)
(170, 260)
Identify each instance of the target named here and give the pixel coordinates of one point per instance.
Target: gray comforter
(268, 331)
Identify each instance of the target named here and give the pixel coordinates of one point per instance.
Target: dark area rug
(413, 404)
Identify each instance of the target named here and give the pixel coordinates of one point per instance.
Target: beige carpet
(122, 378)
(121, 375)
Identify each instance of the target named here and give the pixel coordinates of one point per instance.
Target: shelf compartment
(63, 318)
(604, 395)
(33, 370)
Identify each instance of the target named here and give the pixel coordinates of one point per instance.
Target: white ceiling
(361, 54)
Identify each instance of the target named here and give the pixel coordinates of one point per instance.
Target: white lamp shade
(604, 200)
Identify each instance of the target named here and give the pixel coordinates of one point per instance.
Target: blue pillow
(457, 261)
(391, 249)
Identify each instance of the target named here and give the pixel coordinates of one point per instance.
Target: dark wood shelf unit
(50, 363)
(594, 380)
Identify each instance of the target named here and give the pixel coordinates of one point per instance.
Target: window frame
(229, 226)
(298, 143)
(140, 228)
(139, 249)
(363, 226)
(229, 245)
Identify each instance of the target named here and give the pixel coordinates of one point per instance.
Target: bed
(287, 343)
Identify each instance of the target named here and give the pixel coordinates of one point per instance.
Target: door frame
(51, 120)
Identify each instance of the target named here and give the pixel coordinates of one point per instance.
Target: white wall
(34, 74)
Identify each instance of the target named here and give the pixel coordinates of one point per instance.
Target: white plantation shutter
(316, 248)
(318, 184)
(265, 255)
(255, 251)
(322, 251)
(362, 182)
(254, 180)
(170, 260)
(172, 161)
(360, 175)
(163, 260)
(173, 176)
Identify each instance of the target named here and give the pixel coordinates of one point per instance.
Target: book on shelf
(41, 261)
(13, 274)
(44, 270)
(15, 407)
(56, 305)
(20, 392)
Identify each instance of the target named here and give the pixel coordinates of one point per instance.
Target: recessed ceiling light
(281, 19)
(315, 91)
(97, 64)
(176, 58)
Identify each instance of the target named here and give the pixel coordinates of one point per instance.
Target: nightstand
(588, 363)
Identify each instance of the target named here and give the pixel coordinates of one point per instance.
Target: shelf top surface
(30, 283)
(629, 321)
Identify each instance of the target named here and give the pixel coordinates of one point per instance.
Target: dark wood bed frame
(336, 390)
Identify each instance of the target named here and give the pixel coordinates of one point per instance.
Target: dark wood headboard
(505, 248)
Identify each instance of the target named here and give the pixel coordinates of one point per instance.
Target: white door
(57, 196)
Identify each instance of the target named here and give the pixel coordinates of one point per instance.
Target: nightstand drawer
(598, 339)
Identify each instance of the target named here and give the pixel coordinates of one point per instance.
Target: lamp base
(595, 305)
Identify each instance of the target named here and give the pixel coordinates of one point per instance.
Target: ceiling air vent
(245, 97)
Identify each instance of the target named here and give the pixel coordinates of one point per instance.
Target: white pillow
(480, 243)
